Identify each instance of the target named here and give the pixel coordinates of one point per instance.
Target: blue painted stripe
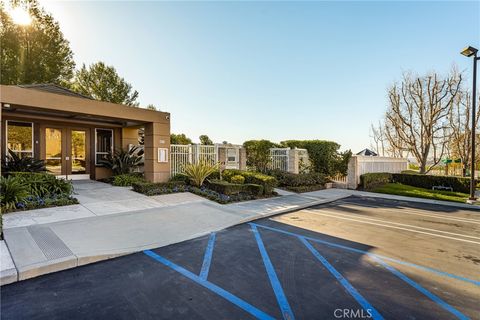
(212, 287)
(344, 282)
(207, 258)
(272, 275)
(331, 244)
(417, 286)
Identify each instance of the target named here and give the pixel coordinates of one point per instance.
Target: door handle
(67, 158)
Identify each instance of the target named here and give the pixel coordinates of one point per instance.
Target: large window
(20, 138)
(103, 143)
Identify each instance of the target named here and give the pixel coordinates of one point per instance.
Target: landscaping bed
(303, 182)
(234, 186)
(26, 191)
(416, 185)
(410, 191)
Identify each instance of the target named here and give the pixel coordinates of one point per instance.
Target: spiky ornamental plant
(198, 172)
(14, 163)
(123, 161)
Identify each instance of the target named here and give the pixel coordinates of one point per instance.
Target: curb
(76, 261)
(416, 200)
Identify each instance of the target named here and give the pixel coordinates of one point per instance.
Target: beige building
(72, 132)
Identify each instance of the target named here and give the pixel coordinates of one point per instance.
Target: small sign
(162, 155)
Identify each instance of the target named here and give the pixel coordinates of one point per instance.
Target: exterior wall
(96, 172)
(157, 135)
(293, 161)
(222, 157)
(243, 159)
(359, 165)
(129, 137)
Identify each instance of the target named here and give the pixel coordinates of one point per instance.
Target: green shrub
(44, 184)
(310, 188)
(410, 172)
(258, 153)
(237, 179)
(14, 163)
(225, 187)
(287, 179)
(198, 172)
(126, 180)
(268, 182)
(13, 190)
(151, 188)
(369, 181)
(324, 155)
(180, 177)
(123, 161)
(228, 188)
(253, 189)
(218, 197)
(458, 184)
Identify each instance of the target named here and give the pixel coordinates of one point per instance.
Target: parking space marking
(394, 227)
(335, 214)
(207, 258)
(406, 210)
(340, 246)
(272, 275)
(417, 286)
(373, 313)
(212, 287)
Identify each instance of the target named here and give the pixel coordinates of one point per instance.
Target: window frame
(32, 152)
(236, 152)
(102, 152)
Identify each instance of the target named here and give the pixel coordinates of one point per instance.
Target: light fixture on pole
(472, 52)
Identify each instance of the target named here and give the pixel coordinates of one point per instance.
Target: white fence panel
(359, 165)
(280, 158)
(180, 155)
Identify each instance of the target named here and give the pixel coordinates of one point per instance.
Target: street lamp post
(472, 52)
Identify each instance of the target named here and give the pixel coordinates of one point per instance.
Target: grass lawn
(409, 191)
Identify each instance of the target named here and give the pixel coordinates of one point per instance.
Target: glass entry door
(54, 159)
(78, 151)
(66, 151)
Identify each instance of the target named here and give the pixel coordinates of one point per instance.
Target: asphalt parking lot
(356, 258)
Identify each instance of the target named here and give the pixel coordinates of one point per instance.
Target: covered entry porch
(72, 133)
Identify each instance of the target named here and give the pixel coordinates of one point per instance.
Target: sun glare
(20, 16)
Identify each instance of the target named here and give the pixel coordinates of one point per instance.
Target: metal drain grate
(50, 244)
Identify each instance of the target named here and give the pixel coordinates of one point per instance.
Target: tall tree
(33, 53)
(416, 119)
(378, 136)
(102, 82)
(180, 138)
(460, 119)
(205, 140)
(258, 153)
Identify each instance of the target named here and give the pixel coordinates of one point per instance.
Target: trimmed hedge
(268, 182)
(151, 189)
(127, 179)
(287, 179)
(180, 177)
(310, 188)
(237, 179)
(225, 187)
(371, 180)
(458, 184)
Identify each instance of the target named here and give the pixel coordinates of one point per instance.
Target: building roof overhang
(28, 101)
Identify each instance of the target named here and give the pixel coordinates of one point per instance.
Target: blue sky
(272, 70)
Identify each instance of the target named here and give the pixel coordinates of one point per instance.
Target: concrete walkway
(113, 221)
